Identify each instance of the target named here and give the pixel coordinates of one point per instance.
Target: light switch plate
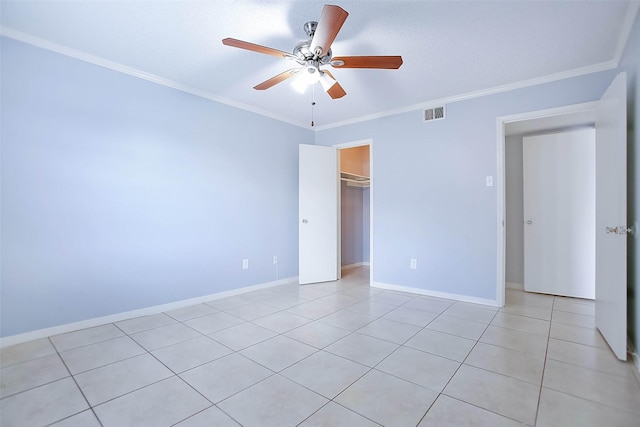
(489, 181)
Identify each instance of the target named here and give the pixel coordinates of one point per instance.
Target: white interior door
(559, 213)
(319, 187)
(611, 216)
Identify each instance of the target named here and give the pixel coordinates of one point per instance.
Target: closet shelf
(355, 180)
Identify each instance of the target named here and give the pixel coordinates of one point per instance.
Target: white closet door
(611, 216)
(318, 210)
(559, 213)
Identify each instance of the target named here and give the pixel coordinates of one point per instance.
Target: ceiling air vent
(435, 113)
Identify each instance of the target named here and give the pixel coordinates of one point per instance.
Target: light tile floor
(331, 354)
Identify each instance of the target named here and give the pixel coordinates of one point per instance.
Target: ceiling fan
(316, 52)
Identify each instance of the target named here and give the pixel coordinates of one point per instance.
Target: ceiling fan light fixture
(299, 84)
(316, 52)
(307, 76)
(311, 74)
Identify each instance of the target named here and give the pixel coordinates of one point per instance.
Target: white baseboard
(97, 321)
(356, 265)
(512, 285)
(457, 297)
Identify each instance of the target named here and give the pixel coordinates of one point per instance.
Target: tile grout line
(274, 373)
(544, 366)
(337, 403)
(279, 373)
(131, 391)
(595, 348)
(607, 405)
(35, 386)
(441, 393)
(456, 371)
(460, 366)
(86, 345)
(78, 386)
(176, 374)
(486, 370)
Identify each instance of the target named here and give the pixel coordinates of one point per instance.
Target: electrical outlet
(245, 264)
(275, 259)
(413, 264)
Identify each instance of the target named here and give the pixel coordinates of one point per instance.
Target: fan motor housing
(303, 49)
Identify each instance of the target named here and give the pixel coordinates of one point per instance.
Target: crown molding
(602, 66)
(115, 66)
(625, 30)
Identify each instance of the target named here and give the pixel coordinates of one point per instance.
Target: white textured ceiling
(450, 48)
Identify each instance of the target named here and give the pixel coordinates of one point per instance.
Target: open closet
(354, 201)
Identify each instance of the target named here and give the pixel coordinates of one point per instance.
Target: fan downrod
(310, 28)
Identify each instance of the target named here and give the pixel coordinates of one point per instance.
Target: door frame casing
(359, 143)
(501, 122)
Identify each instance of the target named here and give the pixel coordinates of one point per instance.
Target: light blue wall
(120, 194)
(631, 64)
(430, 198)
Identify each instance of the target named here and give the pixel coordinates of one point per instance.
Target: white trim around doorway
(501, 185)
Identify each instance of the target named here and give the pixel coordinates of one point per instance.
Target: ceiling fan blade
(277, 79)
(386, 62)
(330, 22)
(257, 48)
(335, 91)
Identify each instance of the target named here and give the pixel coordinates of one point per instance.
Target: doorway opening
(512, 129)
(319, 197)
(355, 222)
(610, 113)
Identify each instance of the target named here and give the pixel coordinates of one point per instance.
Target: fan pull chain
(313, 103)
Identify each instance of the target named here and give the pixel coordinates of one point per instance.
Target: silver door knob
(304, 221)
(529, 222)
(621, 230)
